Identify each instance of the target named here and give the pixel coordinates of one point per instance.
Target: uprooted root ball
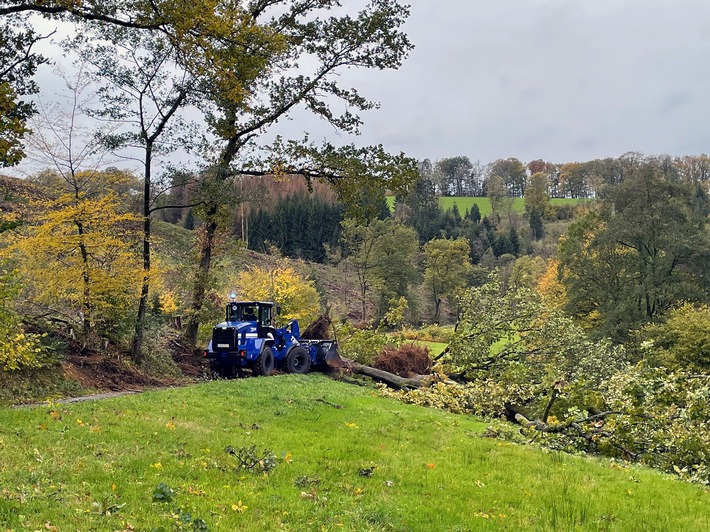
(405, 360)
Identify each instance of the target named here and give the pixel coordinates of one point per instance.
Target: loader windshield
(242, 311)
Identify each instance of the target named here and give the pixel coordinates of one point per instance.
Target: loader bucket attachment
(328, 354)
(332, 358)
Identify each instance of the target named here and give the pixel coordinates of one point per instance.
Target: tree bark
(390, 379)
(201, 280)
(203, 272)
(137, 344)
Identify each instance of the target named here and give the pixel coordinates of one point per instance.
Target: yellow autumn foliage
(79, 255)
(282, 284)
(550, 287)
(18, 349)
(168, 302)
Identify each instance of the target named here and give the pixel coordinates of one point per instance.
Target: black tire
(264, 364)
(298, 360)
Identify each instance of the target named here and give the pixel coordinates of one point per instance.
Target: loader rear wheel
(298, 360)
(264, 364)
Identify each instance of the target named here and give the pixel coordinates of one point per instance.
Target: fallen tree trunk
(390, 379)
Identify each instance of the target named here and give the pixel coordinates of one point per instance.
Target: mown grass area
(435, 348)
(484, 204)
(345, 459)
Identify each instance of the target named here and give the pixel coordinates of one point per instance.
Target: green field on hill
(307, 453)
(465, 203)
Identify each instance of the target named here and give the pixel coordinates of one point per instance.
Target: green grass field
(484, 204)
(345, 459)
(435, 348)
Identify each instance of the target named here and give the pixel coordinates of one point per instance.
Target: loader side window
(265, 316)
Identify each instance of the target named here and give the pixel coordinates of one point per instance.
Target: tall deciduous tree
(149, 76)
(142, 91)
(447, 265)
(324, 36)
(382, 253)
(498, 195)
(455, 175)
(396, 247)
(359, 242)
(513, 173)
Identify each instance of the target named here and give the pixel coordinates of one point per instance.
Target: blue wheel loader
(248, 339)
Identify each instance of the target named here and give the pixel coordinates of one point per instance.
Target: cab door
(265, 324)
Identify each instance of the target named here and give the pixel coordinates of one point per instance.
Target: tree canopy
(647, 249)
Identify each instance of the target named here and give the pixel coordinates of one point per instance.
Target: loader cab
(262, 313)
(242, 311)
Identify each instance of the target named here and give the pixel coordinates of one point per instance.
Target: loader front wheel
(298, 361)
(264, 364)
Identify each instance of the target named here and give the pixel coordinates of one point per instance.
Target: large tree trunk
(390, 379)
(201, 279)
(203, 273)
(137, 344)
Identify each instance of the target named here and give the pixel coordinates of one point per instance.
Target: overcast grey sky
(560, 80)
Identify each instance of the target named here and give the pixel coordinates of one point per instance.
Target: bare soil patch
(107, 373)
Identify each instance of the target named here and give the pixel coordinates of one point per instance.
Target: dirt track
(95, 397)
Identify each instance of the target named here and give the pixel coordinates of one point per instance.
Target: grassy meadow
(484, 204)
(307, 453)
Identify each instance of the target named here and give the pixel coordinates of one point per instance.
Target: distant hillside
(465, 203)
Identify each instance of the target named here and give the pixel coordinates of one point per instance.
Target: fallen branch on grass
(575, 427)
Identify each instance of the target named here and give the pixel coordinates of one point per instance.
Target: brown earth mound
(191, 365)
(106, 373)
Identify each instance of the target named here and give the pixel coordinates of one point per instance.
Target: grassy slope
(484, 204)
(94, 466)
